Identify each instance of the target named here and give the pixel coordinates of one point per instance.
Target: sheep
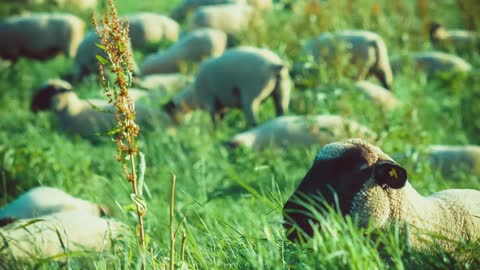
(147, 28)
(78, 117)
(40, 36)
(166, 83)
(379, 95)
(40, 201)
(86, 62)
(228, 18)
(193, 47)
(50, 236)
(459, 40)
(360, 180)
(451, 160)
(241, 78)
(187, 6)
(285, 131)
(368, 53)
(434, 63)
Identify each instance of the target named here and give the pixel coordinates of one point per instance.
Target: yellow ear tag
(393, 173)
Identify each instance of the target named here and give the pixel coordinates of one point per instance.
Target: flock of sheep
(368, 183)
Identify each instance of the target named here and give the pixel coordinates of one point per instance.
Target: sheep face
(43, 98)
(354, 177)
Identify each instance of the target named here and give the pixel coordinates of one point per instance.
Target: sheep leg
(250, 108)
(277, 101)
(381, 76)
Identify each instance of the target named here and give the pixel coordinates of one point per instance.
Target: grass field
(232, 200)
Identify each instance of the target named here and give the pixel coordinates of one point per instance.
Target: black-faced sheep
(188, 6)
(86, 118)
(378, 95)
(86, 62)
(56, 234)
(367, 52)
(369, 185)
(40, 36)
(193, 47)
(292, 130)
(452, 160)
(240, 78)
(148, 28)
(459, 40)
(230, 19)
(434, 63)
(42, 201)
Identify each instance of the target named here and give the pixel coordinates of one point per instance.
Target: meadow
(231, 201)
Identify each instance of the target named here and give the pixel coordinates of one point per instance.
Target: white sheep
(378, 95)
(167, 83)
(193, 47)
(366, 51)
(188, 6)
(147, 28)
(459, 40)
(292, 130)
(228, 18)
(40, 35)
(88, 117)
(240, 78)
(453, 160)
(434, 63)
(51, 236)
(361, 180)
(40, 201)
(86, 62)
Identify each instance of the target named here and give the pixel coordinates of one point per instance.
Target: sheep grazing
(87, 118)
(369, 185)
(435, 63)
(454, 160)
(187, 6)
(148, 28)
(40, 201)
(367, 51)
(378, 95)
(40, 36)
(167, 83)
(459, 40)
(230, 19)
(241, 78)
(86, 62)
(50, 236)
(292, 130)
(193, 47)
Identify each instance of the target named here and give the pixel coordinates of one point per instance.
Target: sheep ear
(388, 173)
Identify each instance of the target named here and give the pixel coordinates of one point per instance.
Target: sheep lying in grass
(42, 201)
(369, 185)
(86, 62)
(148, 28)
(86, 118)
(453, 160)
(368, 53)
(187, 6)
(40, 36)
(193, 47)
(286, 131)
(230, 19)
(51, 236)
(459, 40)
(379, 95)
(241, 78)
(435, 63)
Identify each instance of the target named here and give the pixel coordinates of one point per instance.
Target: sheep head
(353, 177)
(43, 98)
